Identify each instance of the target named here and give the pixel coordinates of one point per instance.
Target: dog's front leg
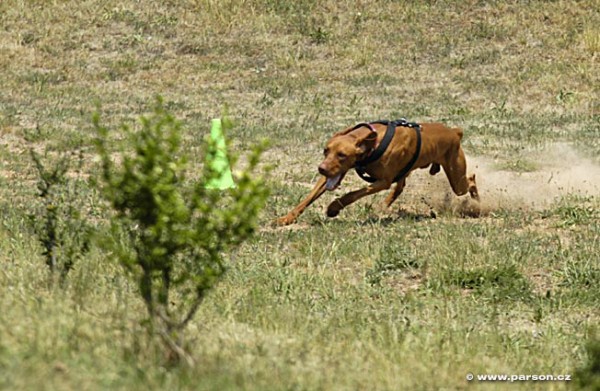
(315, 193)
(340, 203)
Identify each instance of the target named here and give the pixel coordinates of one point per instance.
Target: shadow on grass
(401, 215)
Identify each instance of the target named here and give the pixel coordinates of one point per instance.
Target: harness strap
(382, 147)
(414, 159)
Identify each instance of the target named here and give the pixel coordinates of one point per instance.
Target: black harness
(361, 167)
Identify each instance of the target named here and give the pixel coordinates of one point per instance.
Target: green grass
(373, 299)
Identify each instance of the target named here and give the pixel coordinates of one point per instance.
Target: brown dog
(435, 146)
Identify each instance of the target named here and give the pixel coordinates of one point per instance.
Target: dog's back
(439, 131)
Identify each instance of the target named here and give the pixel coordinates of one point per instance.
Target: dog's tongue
(332, 183)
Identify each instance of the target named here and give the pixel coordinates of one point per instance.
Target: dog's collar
(378, 152)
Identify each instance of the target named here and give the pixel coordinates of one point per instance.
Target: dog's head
(343, 151)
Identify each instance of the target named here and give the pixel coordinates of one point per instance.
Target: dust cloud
(559, 171)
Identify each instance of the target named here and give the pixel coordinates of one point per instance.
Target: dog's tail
(459, 132)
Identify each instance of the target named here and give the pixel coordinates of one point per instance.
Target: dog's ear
(365, 139)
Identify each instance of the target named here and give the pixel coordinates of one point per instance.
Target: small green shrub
(172, 234)
(58, 220)
(588, 376)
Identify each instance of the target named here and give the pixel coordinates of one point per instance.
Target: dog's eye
(341, 155)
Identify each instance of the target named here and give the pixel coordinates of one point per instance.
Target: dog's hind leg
(455, 168)
(394, 194)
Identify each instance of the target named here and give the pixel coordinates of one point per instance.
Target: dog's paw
(285, 220)
(334, 208)
(473, 187)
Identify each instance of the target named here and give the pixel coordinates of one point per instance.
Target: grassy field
(371, 300)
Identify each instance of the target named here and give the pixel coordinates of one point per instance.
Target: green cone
(219, 162)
